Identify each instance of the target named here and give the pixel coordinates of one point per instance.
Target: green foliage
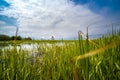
(17, 38)
(56, 62)
(8, 38)
(28, 38)
(4, 37)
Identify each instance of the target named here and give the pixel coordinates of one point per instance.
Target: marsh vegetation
(81, 59)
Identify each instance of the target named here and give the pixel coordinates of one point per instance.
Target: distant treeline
(7, 38)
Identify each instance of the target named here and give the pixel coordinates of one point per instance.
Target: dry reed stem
(91, 53)
(75, 73)
(82, 34)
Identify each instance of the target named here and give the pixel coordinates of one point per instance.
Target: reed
(75, 60)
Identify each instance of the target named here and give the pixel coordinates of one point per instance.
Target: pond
(32, 48)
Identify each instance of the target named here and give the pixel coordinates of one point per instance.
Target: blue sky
(98, 5)
(4, 3)
(59, 18)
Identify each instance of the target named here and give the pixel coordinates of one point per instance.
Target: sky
(42, 19)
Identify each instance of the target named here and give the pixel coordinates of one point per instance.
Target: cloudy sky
(41, 19)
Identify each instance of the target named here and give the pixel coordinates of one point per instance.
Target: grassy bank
(80, 60)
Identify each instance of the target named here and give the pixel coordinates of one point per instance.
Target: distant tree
(28, 38)
(13, 37)
(4, 37)
(17, 38)
(7, 38)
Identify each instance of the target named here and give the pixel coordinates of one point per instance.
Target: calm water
(31, 48)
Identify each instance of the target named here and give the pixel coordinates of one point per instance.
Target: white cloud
(46, 18)
(8, 30)
(5, 29)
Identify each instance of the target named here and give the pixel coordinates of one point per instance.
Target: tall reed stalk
(77, 60)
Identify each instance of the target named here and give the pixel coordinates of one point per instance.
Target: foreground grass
(66, 62)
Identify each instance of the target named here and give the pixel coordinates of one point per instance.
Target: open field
(74, 60)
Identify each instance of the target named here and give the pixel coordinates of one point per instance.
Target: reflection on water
(33, 47)
(34, 50)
